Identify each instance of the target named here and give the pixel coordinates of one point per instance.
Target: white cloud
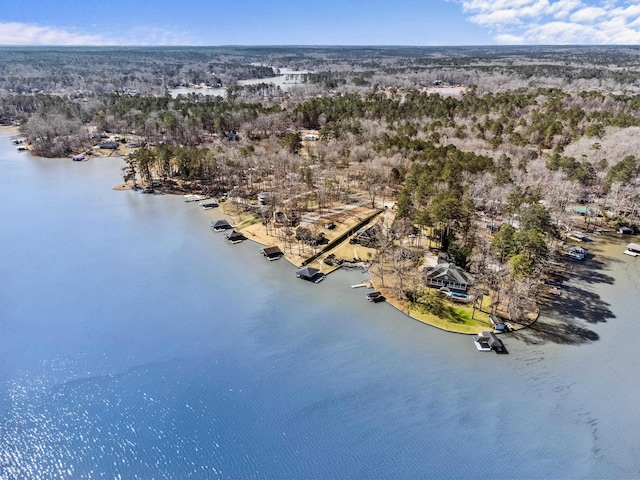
(557, 22)
(509, 39)
(14, 33)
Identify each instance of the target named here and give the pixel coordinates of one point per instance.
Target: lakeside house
(221, 225)
(272, 253)
(367, 236)
(310, 274)
(108, 145)
(448, 275)
(235, 237)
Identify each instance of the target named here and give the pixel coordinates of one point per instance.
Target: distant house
(235, 237)
(272, 253)
(367, 236)
(108, 145)
(310, 274)
(221, 225)
(448, 275)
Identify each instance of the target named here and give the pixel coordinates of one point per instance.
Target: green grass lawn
(454, 317)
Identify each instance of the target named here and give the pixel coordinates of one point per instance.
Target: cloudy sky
(315, 22)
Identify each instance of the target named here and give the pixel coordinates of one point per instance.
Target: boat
(22, 148)
(633, 249)
(208, 204)
(575, 252)
(375, 297)
(194, 198)
(78, 158)
(578, 236)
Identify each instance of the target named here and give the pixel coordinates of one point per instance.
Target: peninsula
(465, 187)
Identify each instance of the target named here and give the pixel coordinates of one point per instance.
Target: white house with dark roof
(448, 275)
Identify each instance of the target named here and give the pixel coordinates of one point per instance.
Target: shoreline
(399, 305)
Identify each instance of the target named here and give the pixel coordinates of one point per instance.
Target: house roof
(233, 235)
(271, 251)
(490, 339)
(220, 224)
(307, 272)
(452, 272)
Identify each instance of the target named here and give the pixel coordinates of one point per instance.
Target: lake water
(137, 343)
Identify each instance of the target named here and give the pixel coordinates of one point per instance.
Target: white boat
(633, 249)
(194, 198)
(575, 252)
(578, 236)
(208, 204)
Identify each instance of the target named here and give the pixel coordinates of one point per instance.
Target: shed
(310, 274)
(221, 225)
(272, 253)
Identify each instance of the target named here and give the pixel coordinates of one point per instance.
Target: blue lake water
(137, 343)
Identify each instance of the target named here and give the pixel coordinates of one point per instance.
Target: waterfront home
(272, 253)
(221, 225)
(367, 236)
(235, 237)
(487, 341)
(108, 145)
(448, 275)
(310, 274)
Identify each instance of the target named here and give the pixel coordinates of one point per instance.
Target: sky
(315, 22)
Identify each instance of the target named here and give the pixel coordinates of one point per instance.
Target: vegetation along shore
(467, 181)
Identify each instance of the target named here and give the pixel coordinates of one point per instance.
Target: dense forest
(458, 139)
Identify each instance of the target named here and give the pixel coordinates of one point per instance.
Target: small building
(448, 275)
(272, 253)
(235, 237)
(310, 274)
(221, 225)
(625, 231)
